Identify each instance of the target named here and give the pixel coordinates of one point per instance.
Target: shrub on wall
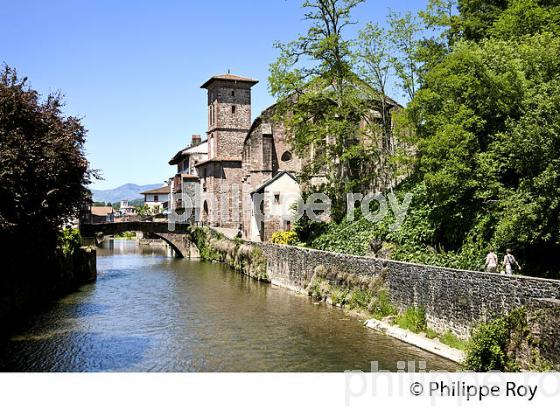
(284, 238)
(505, 344)
(69, 241)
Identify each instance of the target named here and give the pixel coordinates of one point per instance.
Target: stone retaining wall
(455, 300)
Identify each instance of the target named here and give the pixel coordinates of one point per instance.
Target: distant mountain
(127, 191)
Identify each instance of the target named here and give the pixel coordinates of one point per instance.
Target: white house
(157, 199)
(272, 206)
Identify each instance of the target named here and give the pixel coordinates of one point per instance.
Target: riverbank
(430, 345)
(452, 302)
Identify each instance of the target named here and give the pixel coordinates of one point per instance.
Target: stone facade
(242, 157)
(229, 121)
(221, 193)
(266, 154)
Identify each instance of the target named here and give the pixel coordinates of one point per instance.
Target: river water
(149, 311)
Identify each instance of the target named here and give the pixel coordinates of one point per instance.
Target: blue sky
(133, 69)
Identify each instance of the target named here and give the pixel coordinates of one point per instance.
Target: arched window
(286, 156)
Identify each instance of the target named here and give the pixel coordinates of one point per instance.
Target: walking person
(491, 264)
(509, 262)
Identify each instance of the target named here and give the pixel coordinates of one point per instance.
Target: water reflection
(151, 312)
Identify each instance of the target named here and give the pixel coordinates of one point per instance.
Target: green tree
(404, 33)
(375, 67)
(484, 86)
(144, 211)
(43, 170)
(487, 137)
(319, 100)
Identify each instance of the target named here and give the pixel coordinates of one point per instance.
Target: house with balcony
(184, 186)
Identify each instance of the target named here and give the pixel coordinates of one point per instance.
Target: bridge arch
(177, 251)
(179, 237)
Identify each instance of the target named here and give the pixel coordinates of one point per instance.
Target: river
(149, 311)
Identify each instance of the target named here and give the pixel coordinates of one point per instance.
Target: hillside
(127, 191)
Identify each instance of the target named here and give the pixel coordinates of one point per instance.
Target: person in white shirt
(509, 262)
(491, 264)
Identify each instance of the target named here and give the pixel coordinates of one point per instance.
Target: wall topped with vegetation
(512, 321)
(454, 300)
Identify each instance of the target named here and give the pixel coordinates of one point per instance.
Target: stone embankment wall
(454, 300)
(543, 316)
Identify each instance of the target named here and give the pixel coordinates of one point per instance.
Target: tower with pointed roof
(229, 114)
(229, 121)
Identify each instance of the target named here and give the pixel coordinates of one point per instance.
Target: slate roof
(271, 180)
(229, 77)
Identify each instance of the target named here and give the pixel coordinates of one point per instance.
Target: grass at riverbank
(370, 298)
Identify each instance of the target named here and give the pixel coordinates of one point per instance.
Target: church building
(247, 176)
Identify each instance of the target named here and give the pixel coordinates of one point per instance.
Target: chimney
(195, 140)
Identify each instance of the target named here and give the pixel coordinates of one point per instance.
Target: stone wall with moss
(455, 300)
(452, 302)
(543, 317)
(243, 257)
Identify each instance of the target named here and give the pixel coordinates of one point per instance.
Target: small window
(233, 93)
(156, 198)
(286, 156)
(276, 198)
(233, 109)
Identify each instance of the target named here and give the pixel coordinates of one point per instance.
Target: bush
(487, 348)
(381, 305)
(126, 235)
(284, 237)
(492, 343)
(69, 241)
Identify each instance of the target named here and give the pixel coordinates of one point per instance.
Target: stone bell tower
(229, 115)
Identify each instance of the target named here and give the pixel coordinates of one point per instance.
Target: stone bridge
(178, 238)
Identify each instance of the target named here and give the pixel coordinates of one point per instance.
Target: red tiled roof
(101, 210)
(161, 190)
(230, 77)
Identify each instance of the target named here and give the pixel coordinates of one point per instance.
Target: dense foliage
(488, 137)
(484, 88)
(69, 241)
(43, 170)
(505, 344)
